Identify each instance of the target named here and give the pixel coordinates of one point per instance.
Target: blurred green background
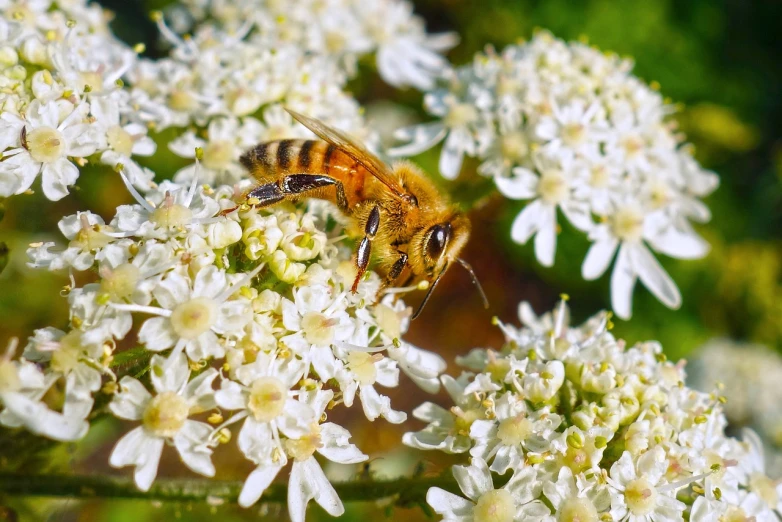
(720, 59)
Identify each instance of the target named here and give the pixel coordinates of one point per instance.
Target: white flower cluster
(342, 29)
(71, 93)
(569, 128)
(249, 321)
(749, 376)
(591, 430)
(62, 101)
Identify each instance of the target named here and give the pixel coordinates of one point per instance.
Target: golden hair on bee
(401, 217)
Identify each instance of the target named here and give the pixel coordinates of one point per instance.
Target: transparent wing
(353, 149)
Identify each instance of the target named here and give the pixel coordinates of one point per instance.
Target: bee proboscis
(401, 217)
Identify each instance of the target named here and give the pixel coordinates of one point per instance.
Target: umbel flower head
(257, 302)
(589, 429)
(569, 129)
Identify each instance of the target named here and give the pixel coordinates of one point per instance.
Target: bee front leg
(266, 194)
(396, 270)
(365, 247)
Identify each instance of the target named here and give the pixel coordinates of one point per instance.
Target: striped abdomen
(273, 160)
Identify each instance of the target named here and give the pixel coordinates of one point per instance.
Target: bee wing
(355, 150)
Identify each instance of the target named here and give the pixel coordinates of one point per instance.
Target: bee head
(440, 244)
(437, 247)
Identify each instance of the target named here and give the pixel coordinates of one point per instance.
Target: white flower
(512, 502)
(22, 386)
(269, 407)
(71, 360)
(576, 497)
(570, 128)
(514, 430)
(228, 138)
(123, 140)
(406, 55)
(551, 189)
(164, 418)
(50, 133)
(639, 492)
(192, 314)
(627, 230)
(307, 481)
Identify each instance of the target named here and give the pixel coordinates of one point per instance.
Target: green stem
(408, 490)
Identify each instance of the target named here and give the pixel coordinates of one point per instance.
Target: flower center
(267, 398)
(165, 414)
(318, 329)
(641, 497)
(91, 237)
(495, 506)
(599, 177)
(576, 459)
(9, 377)
(514, 430)
(577, 509)
(194, 317)
(66, 357)
(463, 420)
(513, 146)
(735, 514)
(573, 134)
(498, 368)
(182, 101)
(46, 144)
(120, 282)
(765, 488)
(363, 365)
(461, 114)
(92, 78)
(388, 321)
(303, 448)
(171, 214)
(627, 224)
(553, 187)
(120, 140)
(632, 145)
(218, 154)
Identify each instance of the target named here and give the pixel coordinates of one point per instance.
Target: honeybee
(399, 214)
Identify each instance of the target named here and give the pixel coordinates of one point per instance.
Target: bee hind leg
(365, 247)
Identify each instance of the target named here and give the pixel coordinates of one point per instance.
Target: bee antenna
(429, 293)
(475, 281)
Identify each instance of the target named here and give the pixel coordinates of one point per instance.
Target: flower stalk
(406, 490)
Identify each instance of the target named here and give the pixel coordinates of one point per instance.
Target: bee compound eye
(438, 238)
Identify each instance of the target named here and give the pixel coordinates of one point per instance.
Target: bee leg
(298, 183)
(365, 247)
(396, 270)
